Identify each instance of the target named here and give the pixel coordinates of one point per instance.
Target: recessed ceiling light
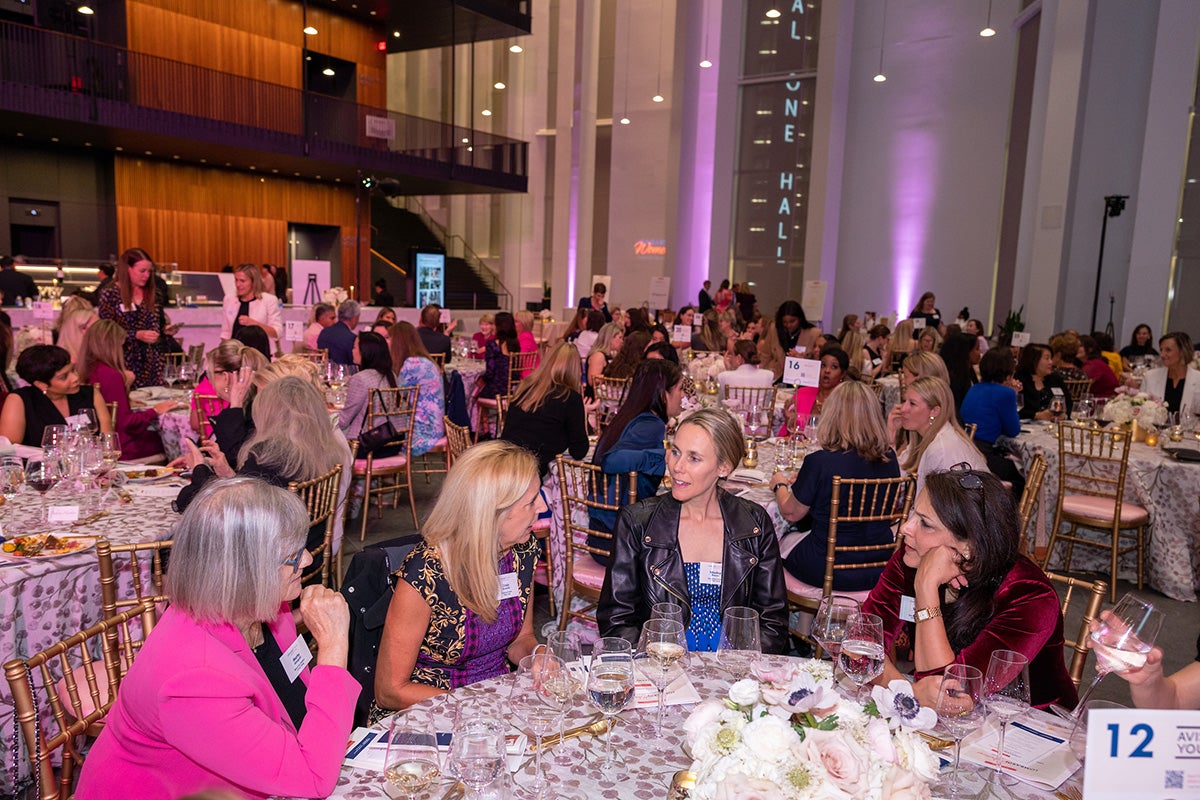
(658, 98)
(318, 177)
(253, 167)
(516, 48)
(472, 149)
(499, 85)
(149, 153)
(87, 144)
(339, 180)
(487, 112)
(328, 71)
(275, 171)
(395, 34)
(773, 14)
(705, 64)
(54, 138)
(120, 149)
(466, 140)
(310, 31)
(20, 134)
(204, 161)
(297, 174)
(86, 10)
(176, 157)
(228, 164)
(262, 180)
(372, 13)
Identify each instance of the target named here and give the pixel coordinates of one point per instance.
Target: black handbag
(370, 440)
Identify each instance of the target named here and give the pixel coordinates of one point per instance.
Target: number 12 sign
(1142, 753)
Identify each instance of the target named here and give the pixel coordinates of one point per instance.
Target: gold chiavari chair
(394, 472)
(854, 500)
(1035, 476)
(520, 365)
(969, 429)
(112, 412)
(207, 407)
(503, 401)
(195, 354)
(458, 439)
(610, 394)
(586, 487)
(1094, 592)
(1092, 468)
(744, 398)
(439, 359)
(174, 359)
(320, 496)
(144, 565)
(1077, 388)
(318, 357)
(73, 658)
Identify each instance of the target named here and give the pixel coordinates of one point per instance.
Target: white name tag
(1057, 392)
(801, 371)
(710, 573)
(918, 323)
(876, 361)
(1020, 339)
(908, 608)
(681, 333)
(62, 514)
(293, 331)
(295, 658)
(509, 588)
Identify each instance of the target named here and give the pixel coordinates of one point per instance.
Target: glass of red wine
(42, 475)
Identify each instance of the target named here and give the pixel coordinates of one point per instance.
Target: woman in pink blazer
(209, 703)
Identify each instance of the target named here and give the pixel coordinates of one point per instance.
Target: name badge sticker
(295, 659)
(78, 419)
(710, 573)
(918, 323)
(56, 514)
(509, 588)
(1020, 338)
(908, 608)
(1057, 392)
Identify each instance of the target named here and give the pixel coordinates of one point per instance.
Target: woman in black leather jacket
(698, 546)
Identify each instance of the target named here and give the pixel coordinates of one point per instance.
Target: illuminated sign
(650, 247)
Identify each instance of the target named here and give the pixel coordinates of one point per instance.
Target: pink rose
(900, 784)
(879, 737)
(845, 766)
(736, 786)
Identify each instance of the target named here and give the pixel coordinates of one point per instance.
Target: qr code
(1173, 779)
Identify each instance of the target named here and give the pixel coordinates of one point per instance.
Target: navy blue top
(993, 407)
(338, 339)
(814, 488)
(639, 449)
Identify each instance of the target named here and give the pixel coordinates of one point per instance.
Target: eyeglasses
(294, 561)
(969, 479)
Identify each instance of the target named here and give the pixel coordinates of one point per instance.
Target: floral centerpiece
(335, 296)
(1130, 404)
(787, 733)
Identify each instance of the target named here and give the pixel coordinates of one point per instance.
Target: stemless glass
(829, 623)
(535, 706)
(411, 763)
(861, 657)
(566, 645)
(477, 754)
(1006, 693)
(960, 710)
(740, 643)
(610, 684)
(662, 657)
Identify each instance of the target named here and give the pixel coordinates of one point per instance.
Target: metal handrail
(448, 240)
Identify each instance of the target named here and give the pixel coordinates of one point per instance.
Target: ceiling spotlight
(705, 64)
(879, 77)
(54, 138)
(395, 34)
(499, 85)
(86, 10)
(987, 32)
(516, 48)
(487, 112)
(658, 98)
(624, 120)
(328, 71)
(310, 31)
(774, 14)
(466, 140)
(369, 182)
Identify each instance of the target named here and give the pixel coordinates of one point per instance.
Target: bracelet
(775, 487)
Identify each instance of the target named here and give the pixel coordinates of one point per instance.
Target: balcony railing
(74, 77)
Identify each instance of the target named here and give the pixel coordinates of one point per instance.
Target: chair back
(610, 394)
(318, 357)
(195, 354)
(585, 488)
(1093, 593)
(320, 496)
(969, 428)
(174, 359)
(1035, 476)
(1077, 388)
(137, 561)
(112, 412)
(439, 359)
(458, 438)
(68, 660)
(398, 406)
(865, 500)
(745, 397)
(1088, 460)
(207, 407)
(520, 365)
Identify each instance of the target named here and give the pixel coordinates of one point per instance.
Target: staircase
(395, 232)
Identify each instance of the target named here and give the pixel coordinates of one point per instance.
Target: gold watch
(931, 612)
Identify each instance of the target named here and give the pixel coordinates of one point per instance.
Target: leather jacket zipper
(683, 602)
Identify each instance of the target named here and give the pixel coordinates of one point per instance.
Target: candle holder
(751, 458)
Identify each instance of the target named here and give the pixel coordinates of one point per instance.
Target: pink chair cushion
(440, 443)
(541, 575)
(490, 402)
(799, 588)
(85, 697)
(588, 572)
(1102, 508)
(391, 462)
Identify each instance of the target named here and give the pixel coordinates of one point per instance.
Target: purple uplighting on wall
(912, 201)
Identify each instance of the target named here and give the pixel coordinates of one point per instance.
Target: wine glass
(566, 645)
(758, 424)
(829, 623)
(667, 611)
(610, 684)
(411, 763)
(12, 476)
(1057, 406)
(960, 709)
(1079, 732)
(740, 643)
(42, 475)
(1020, 401)
(862, 650)
(662, 658)
(1121, 642)
(1006, 693)
(110, 449)
(477, 753)
(170, 374)
(54, 437)
(536, 704)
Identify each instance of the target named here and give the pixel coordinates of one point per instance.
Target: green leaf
(872, 709)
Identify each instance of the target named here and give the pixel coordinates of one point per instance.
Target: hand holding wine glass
(662, 657)
(960, 710)
(1006, 693)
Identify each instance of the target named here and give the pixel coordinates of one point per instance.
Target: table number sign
(43, 310)
(801, 371)
(681, 333)
(293, 331)
(1142, 753)
(1020, 338)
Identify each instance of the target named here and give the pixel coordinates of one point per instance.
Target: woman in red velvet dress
(969, 590)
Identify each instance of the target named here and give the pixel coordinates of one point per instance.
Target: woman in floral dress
(416, 368)
(131, 302)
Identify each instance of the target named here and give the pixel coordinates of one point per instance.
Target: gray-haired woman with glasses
(960, 589)
(221, 695)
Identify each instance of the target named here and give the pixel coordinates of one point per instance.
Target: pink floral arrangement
(1129, 404)
(787, 733)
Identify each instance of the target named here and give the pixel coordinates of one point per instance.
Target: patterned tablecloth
(1167, 488)
(650, 759)
(47, 599)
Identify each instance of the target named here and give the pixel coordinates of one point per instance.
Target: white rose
(745, 692)
(701, 717)
(879, 737)
(903, 785)
(915, 756)
(770, 739)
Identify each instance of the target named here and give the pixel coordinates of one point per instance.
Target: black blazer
(647, 568)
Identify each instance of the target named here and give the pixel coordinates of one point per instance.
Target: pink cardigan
(196, 712)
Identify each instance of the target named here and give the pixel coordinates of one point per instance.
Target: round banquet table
(44, 600)
(1154, 480)
(650, 760)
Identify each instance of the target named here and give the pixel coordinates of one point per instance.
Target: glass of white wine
(662, 658)
(566, 645)
(412, 755)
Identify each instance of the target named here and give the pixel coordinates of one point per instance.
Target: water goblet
(740, 642)
(537, 706)
(477, 753)
(566, 645)
(54, 436)
(830, 622)
(12, 476)
(170, 374)
(411, 762)
(861, 657)
(1006, 693)
(960, 710)
(610, 684)
(662, 658)
(667, 611)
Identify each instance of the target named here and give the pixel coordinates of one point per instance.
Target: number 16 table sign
(1142, 753)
